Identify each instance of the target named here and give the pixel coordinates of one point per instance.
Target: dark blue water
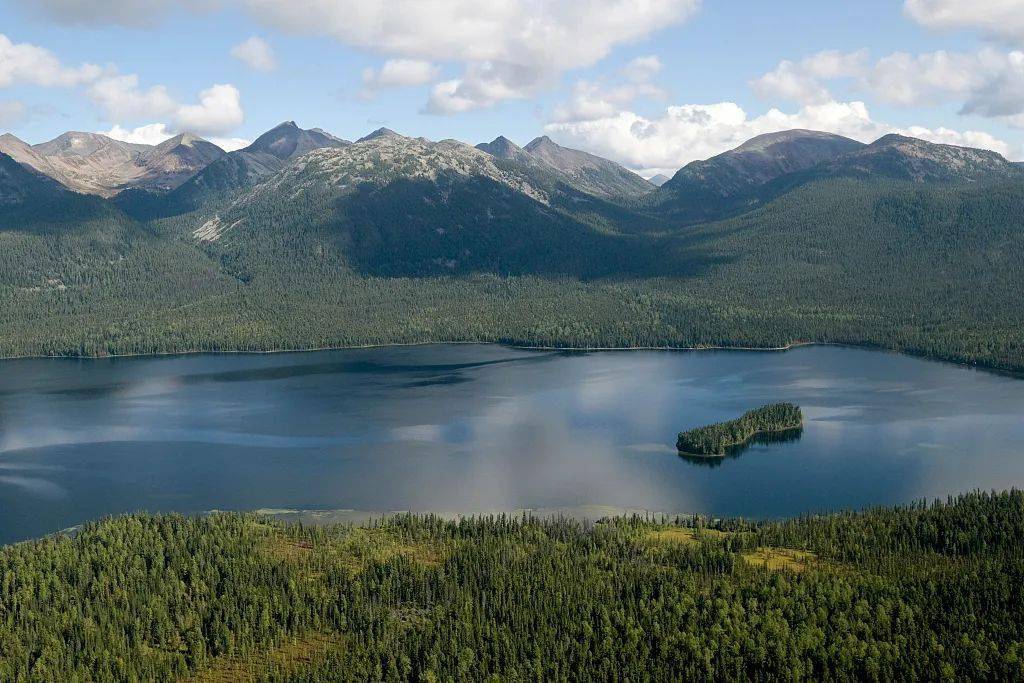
(482, 428)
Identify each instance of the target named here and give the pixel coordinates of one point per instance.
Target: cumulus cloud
(508, 49)
(803, 81)
(230, 144)
(396, 73)
(256, 53)
(642, 69)
(590, 100)
(684, 133)
(34, 65)
(150, 134)
(483, 85)
(11, 113)
(121, 98)
(155, 133)
(987, 82)
(997, 18)
(118, 96)
(218, 111)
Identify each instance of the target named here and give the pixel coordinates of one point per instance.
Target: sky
(652, 84)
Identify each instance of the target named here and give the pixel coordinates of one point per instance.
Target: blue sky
(650, 83)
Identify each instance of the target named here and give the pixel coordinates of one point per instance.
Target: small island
(717, 439)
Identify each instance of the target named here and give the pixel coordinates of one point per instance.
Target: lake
(474, 428)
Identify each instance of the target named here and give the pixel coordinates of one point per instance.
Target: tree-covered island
(716, 439)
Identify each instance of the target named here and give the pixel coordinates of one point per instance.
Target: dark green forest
(718, 438)
(930, 270)
(922, 592)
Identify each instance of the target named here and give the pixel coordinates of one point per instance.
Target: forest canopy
(920, 592)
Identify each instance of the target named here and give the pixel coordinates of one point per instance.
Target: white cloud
(396, 73)
(150, 134)
(642, 69)
(969, 138)
(483, 85)
(120, 97)
(998, 18)
(11, 113)
(219, 111)
(230, 144)
(155, 133)
(26, 63)
(802, 81)
(509, 49)
(590, 100)
(987, 82)
(684, 133)
(256, 53)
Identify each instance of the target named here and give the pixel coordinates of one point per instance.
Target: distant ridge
(906, 158)
(94, 163)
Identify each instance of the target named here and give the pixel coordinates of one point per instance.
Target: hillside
(741, 178)
(398, 239)
(922, 592)
(391, 205)
(903, 158)
(236, 171)
(589, 173)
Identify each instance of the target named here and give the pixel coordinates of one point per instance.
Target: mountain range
(186, 172)
(304, 239)
(96, 164)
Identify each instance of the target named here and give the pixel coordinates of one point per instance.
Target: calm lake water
(469, 428)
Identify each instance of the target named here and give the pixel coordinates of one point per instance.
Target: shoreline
(1014, 373)
(386, 345)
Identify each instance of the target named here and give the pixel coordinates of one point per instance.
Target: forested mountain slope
(735, 180)
(234, 171)
(906, 245)
(391, 205)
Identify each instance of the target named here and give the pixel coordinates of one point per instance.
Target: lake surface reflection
(467, 428)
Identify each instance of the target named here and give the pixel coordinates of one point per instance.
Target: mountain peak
(766, 141)
(379, 133)
(287, 140)
(503, 148)
(542, 141)
(588, 172)
(761, 159)
(894, 139)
